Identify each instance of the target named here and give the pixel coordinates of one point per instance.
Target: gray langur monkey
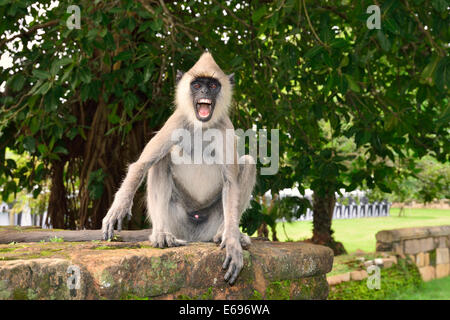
(192, 202)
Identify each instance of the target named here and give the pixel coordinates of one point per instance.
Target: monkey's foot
(164, 240)
(244, 239)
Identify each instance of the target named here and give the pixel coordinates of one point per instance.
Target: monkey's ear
(231, 78)
(179, 76)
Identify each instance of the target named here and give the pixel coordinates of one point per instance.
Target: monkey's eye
(213, 86)
(196, 85)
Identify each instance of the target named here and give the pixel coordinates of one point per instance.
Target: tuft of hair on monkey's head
(203, 94)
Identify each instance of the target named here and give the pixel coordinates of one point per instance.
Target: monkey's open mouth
(204, 109)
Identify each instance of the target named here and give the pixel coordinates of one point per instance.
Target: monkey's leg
(162, 212)
(246, 181)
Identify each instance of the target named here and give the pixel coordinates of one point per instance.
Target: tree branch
(30, 31)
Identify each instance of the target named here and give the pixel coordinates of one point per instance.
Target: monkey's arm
(231, 233)
(155, 150)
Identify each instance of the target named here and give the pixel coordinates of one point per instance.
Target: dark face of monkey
(204, 91)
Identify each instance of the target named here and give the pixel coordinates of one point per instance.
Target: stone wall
(134, 270)
(428, 247)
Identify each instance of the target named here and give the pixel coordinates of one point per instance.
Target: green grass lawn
(360, 233)
(433, 290)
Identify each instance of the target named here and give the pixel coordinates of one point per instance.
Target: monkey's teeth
(205, 101)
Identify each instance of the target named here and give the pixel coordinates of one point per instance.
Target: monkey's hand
(234, 260)
(116, 213)
(165, 239)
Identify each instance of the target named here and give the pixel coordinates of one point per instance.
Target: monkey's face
(204, 92)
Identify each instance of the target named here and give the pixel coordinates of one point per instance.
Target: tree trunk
(57, 204)
(263, 232)
(323, 207)
(274, 233)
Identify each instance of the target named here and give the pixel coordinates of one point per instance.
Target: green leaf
(17, 82)
(113, 118)
(35, 87)
(427, 73)
(44, 88)
(383, 41)
(43, 149)
(85, 75)
(34, 125)
(57, 64)
(60, 149)
(92, 34)
(440, 5)
(124, 55)
(442, 74)
(339, 43)
(391, 26)
(344, 62)
(29, 144)
(258, 14)
(41, 74)
(67, 73)
(156, 25)
(351, 83)
(144, 26)
(311, 53)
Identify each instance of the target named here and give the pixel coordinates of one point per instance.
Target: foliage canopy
(80, 104)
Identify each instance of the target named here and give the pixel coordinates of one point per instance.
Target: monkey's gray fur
(191, 202)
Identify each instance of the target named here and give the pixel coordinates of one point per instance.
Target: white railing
(354, 210)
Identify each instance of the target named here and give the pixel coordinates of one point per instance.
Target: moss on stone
(20, 294)
(4, 292)
(31, 294)
(256, 295)
(131, 296)
(106, 280)
(208, 295)
(49, 252)
(278, 290)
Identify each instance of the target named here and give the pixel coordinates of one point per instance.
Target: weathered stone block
(334, 280)
(345, 277)
(397, 247)
(389, 236)
(124, 270)
(358, 275)
(413, 240)
(368, 263)
(420, 259)
(442, 270)
(389, 262)
(427, 258)
(418, 245)
(427, 273)
(441, 242)
(378, 261)
(442, 256)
